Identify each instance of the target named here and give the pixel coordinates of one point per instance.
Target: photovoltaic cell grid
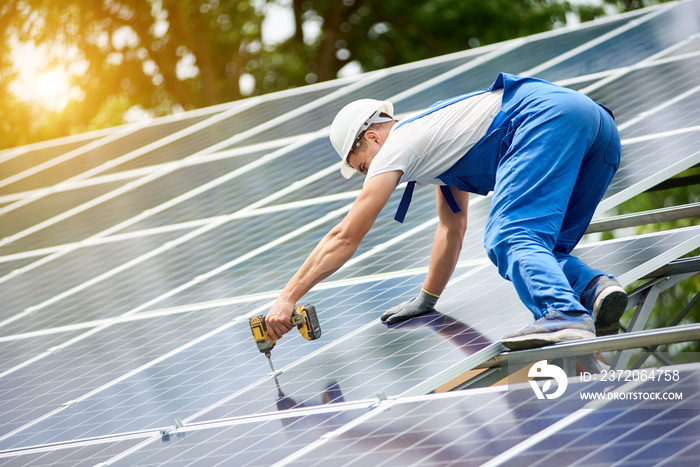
(458, 431)
(17, 161)
(392, 362)
(133, 257)
(460, 428)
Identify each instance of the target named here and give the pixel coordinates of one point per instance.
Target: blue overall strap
(408, 194)
(405, 201)
(450, 198)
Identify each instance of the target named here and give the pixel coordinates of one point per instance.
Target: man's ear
(374, 136)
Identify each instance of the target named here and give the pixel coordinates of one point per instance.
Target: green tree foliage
(136, 52)
(162, 55)
(379, 34)
(674, 300)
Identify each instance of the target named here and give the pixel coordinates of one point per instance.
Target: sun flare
(44, 76)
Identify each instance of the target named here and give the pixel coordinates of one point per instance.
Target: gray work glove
(422, 304)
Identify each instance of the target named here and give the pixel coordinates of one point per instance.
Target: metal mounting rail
(600, 344)
(646, 217)
(678, 266)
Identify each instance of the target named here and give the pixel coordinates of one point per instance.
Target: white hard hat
(352, 120)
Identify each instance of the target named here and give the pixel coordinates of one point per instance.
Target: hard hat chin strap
(374, 118)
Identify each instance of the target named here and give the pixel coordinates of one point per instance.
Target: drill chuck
(263, 340)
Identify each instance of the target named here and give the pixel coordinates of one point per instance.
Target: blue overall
(548, 157)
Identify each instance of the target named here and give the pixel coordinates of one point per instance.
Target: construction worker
(547, 153)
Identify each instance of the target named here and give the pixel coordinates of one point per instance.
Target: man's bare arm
(447, 244)
(334, 250)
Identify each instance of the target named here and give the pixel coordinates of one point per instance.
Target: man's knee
(500, 249)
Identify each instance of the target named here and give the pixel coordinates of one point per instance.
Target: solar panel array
(132, 258)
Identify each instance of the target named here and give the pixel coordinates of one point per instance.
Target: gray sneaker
(550, 329)
(606, 300)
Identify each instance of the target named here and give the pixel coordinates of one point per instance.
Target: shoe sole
(532, 341)
(608, 309)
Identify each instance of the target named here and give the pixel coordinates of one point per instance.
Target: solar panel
(632, 432)
(376, 86)
(219, 377)
(639, 40)
(659, 158)
(459, 428)
(688, 46)
(127, 279)
(80, 455)
(654, 87)
(14, 162)
(87, 157)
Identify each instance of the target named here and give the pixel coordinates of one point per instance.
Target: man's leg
(535, 180)
(578, 273)
(596, 289)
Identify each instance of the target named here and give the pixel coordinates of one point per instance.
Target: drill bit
(269, 360)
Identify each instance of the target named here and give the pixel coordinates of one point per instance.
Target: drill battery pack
(306, 321)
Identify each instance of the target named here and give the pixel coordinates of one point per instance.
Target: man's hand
(334, 250)
(279, 318)
(422, 304)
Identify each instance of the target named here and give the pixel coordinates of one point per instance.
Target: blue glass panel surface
(654, 33)
(33, 157)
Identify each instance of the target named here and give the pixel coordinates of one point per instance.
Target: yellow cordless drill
(305, 319)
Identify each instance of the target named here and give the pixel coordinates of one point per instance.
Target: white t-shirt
(425, 144)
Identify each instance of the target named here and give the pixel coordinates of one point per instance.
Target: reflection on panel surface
(383, 88)
(246, 444)
(638, 93)
(103, 153)
(31, 158)
(135, 380)
(462, 428)
(632, 432)
(68, 456)
(664, 28)
(470, 429)
(39, 289)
